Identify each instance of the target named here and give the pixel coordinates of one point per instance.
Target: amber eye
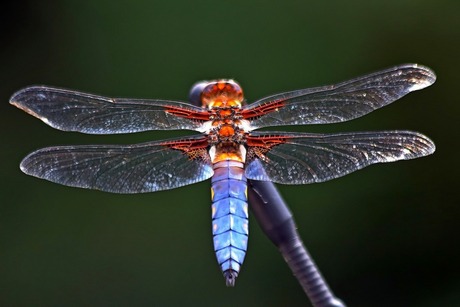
(222, 92)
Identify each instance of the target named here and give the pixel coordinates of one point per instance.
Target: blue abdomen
(229, 217)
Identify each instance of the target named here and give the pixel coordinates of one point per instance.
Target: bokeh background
(383, 236)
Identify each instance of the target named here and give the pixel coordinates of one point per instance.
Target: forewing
(340, 102)
(292, 158)
(76, 111)
(138, 168)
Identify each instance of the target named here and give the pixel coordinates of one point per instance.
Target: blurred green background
(383, 236)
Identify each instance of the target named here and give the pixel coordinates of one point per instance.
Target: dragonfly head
(217, 93)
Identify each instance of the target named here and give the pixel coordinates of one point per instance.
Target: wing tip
(416, 146)
(423, 76)
(25, 108)
(24, 165)
(17, 97)
(22, 98)
(429, 147)
(413, 145)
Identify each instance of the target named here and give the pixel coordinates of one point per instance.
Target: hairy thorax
(226, 127)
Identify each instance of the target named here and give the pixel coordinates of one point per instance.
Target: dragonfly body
(229, 217)
(226, 133)
(227, 150)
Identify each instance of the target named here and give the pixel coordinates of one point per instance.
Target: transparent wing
(76, 111)
(340, 102)
(293, 158)
(138, 168)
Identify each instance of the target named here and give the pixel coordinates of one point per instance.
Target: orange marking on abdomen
(225, 156)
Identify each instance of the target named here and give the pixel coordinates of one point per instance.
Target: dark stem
(277, 222)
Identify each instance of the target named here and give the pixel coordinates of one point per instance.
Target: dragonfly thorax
(227, 125)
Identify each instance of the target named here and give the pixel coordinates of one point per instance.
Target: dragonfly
(228, 149)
